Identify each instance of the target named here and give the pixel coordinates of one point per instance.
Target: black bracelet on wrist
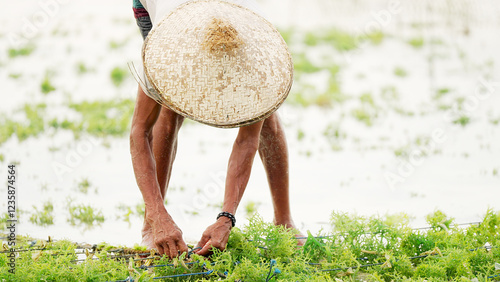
(228, 215)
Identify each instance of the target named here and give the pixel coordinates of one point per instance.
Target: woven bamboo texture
(218, 63)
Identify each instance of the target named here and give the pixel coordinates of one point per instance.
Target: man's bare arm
(238, 172)
(167, 236)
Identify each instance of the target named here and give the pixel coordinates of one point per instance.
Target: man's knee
(169, 123)
(272, 127)
(138, 134)
(247, 139)
(249, 144)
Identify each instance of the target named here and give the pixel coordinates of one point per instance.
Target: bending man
(153, 145)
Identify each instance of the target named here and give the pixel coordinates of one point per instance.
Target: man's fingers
(159, 248)
(166, 249)
(202, 241)
(206, 250)
(182, 247)
(200, 244)
(173, 251)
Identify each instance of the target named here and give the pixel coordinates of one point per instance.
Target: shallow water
(459, 175)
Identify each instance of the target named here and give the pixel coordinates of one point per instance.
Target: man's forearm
(240, 165)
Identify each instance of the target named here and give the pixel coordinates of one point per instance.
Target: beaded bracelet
(228, 215)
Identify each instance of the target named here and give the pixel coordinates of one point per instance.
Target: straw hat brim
(228, 84)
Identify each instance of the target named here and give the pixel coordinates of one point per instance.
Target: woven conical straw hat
(217, 63)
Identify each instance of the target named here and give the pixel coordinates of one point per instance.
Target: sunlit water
(459, 175)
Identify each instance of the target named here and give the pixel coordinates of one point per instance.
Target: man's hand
(216, 236)
(167, 236)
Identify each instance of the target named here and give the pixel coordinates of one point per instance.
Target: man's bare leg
(165, 133)
(273, 152)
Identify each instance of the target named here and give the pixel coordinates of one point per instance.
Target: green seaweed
(375, 248)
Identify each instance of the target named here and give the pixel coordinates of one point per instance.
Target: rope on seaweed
(273, 263)
(277, 271)
(303, 237)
